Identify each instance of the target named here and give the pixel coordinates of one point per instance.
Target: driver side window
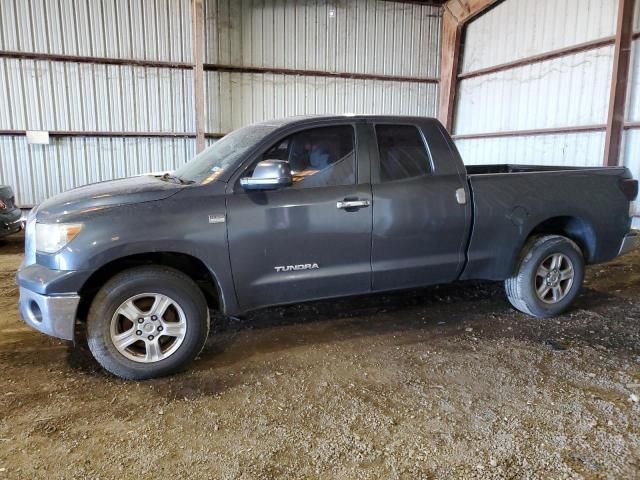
(319, 157)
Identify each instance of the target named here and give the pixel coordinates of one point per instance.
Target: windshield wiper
(176, 179)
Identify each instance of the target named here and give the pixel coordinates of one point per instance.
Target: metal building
(546, 82)
(112, 81)
(126, 87)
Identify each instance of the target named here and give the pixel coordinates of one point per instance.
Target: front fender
(179, 225)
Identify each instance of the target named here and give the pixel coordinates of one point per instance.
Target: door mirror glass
(268, 175)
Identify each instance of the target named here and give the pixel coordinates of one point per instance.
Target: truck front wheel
(548, 278)
(147, 322)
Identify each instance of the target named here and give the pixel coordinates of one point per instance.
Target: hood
(98, 196)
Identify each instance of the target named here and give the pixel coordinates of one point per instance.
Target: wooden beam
(107, 134)
(197, 14)
(451, 36)
(619, 81)
(455, 14)
(56, 57)
(465, 10)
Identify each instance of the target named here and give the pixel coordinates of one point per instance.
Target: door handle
(346, 204)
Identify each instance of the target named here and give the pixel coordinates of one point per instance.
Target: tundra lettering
(288, 268)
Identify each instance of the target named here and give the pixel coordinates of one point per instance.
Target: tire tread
(516, 286)
(95, 336)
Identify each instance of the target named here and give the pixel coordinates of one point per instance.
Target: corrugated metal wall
(72, 96)
(40, 171)
(138, 29)
(632, 136)
(522, 28)
(235, 99)
(52, 95)
(358, 36)
(583, 149)
(362, 36)
(568, 91)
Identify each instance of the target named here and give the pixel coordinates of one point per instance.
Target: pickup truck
(301, 209)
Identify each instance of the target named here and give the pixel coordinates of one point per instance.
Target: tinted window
(402, 152)
(318, 157)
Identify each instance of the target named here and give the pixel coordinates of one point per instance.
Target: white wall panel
(139, 29)
(37, 172)
(577, 149)
(518, 29)
(367, 36)
(236, 99)
(46, 95)
(632, 159)
(567, 91)
(572, 90)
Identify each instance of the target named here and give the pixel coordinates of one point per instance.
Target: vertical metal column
(198, 71)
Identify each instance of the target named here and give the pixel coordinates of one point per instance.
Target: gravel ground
(444, 382)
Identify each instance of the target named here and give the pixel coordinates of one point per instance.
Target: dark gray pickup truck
(301, 209)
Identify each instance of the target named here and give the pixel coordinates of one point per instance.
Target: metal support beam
(455, 14)
(532, 133)
(197, 14)
(219, 67)
(619, 82)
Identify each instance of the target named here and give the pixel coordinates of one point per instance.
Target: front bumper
(11, 222)
(630, 242)
(53, 315)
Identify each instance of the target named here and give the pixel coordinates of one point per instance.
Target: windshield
(211, 162)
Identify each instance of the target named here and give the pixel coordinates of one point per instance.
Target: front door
(304, 241)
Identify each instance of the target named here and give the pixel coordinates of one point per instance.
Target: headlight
(51, 237)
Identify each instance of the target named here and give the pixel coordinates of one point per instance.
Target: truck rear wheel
(549, 276)
(147, 322)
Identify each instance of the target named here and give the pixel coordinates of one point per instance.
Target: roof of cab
(281, 122)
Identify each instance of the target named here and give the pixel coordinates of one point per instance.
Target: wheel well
(575, 228)
(187, 264)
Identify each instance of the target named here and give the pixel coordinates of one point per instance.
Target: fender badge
(290, 268)
(216, 219)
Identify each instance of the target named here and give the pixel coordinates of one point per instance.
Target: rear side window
(402, 153)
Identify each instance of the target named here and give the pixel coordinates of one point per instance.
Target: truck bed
(587, 203)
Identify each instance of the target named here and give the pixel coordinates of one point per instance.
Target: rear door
(420, 211)
(309, 240)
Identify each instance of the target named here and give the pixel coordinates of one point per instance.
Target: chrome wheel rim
(554, 278)
(148, 327)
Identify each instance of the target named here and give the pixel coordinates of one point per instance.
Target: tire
(542, 295)
(170, 331)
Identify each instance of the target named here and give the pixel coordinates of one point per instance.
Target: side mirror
(268, 175)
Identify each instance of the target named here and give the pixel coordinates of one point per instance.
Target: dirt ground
(444, 382)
